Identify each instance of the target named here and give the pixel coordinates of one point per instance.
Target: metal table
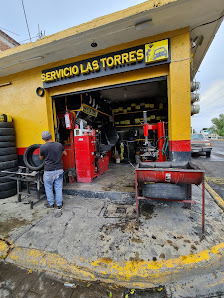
(24, 175)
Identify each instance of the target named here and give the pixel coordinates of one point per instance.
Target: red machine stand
(189, 176)
(160, 128)
(103, 164)
(85, 157)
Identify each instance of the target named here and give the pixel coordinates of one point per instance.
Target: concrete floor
(89, 229)
(94, 228)
(118, 178)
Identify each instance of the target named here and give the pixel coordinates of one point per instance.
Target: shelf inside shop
(140, 111)
(131, 125)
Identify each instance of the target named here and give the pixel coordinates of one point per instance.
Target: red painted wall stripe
(20, 151)
(180, 146)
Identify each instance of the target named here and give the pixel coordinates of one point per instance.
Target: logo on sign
(156, 51)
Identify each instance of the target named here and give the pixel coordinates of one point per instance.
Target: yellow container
(5, 118)
(147, 105)
(161, 106)
(122, 122)
(117, 123)
(142, 104)
(128, 108)
(125, 111)
(127, 122)
(137, 107)
(151, 105)
(137, 121)
(148, 119)
(153, 117)
(158, 118)
(116, 111)
(133, 105)
(120, 109)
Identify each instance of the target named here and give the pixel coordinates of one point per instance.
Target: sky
(51, 16)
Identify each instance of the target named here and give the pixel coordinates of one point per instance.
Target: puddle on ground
(146, 209)
(10, 224)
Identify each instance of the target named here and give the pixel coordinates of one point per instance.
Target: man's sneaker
(46, 205)
(60, 207)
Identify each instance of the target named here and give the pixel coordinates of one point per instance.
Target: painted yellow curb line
(141, 274)
(215, 196)
(4, 248)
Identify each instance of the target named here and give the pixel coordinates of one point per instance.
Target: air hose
(165, 149)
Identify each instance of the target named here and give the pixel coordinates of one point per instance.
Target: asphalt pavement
(213, 166)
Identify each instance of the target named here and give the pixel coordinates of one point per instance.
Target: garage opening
(109, 123)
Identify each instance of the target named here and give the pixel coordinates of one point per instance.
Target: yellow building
(146, 55)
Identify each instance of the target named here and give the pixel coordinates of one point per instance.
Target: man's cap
(46, 135)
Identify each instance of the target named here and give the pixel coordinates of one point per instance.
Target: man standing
(51, 152)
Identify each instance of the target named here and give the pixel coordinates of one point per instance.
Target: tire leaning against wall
(8, 159)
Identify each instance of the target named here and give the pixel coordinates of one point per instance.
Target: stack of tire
(8, 156)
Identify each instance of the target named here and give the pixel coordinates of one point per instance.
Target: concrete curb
(219, 201)
(135, 274)
(111, 195)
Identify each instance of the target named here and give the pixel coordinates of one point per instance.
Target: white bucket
(117, 158)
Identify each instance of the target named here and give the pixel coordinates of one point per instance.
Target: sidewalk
(99, 239)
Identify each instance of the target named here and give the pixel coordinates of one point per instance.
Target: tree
(218, 126)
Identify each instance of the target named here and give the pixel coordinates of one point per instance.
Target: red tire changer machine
(83, 152)
(163, 173)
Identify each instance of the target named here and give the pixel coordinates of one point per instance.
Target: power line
(26, 19)
(207, 23)
(9, 31)
(28, 39)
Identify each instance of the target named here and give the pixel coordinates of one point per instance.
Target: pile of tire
(8, 157)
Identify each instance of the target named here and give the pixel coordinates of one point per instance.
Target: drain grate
(121, 210)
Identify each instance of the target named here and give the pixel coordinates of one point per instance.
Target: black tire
(7, 138)
(7, 144)
(7, 185)
(8, 193)
(165, 191)
(6, 125)
(8, 151)
(7, 131)
(28, 158)
(8, 157)
(3, 177)
(208, 154)
(8, 164)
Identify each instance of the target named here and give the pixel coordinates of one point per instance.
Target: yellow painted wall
(179, 108)
(29, 112)
(33, 114)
